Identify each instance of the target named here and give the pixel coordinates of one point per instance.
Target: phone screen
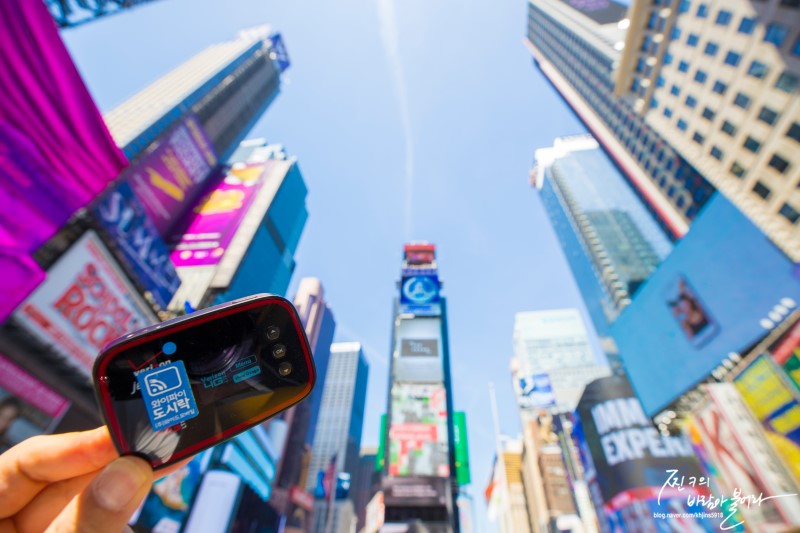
(198, 382)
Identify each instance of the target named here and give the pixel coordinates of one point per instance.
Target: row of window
(775, 33)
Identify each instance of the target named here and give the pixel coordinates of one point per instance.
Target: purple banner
(170, 177)
(56, 154)
(213, 222)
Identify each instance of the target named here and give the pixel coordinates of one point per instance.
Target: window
(708, 114)
(790, 213)
(660, 81)
(676, 33)
(776, 33)
(675, 90)
(682, 125)
(700, 76)
(691, 101)
(768, 115)
(683, 66)
(653, 103)
(747, 25)
(758, 69)
(724, 17)
(761, 190)
(787, 82)
(693, 39)
(716, 153)
(711, 49)
(779, 163)
(752, 144)
(719, 87)
(728, 128)
(699, 139)
(732, 58)
(737, 169)
(794, 132)
(702, 11)
(742, 100)
(668, 112)
(667, 58)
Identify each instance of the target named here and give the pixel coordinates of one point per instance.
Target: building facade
(337, 439)
(506, 493)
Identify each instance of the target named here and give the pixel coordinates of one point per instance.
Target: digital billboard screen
(418, 350)
(418, 440)
(27, 406)
(706, 300)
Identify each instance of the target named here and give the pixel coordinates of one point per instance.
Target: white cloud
(389, 37)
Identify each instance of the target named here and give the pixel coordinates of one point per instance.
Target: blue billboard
(124, 219)
(706, 300)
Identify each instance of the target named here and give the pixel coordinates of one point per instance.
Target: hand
(70, 482)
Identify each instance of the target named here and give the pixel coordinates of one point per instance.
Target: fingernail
(119, 483)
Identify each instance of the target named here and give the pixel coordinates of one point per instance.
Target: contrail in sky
(388, 30)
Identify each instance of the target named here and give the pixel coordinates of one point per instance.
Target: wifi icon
(162, 381)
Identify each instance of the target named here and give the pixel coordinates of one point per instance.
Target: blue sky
(412, 120)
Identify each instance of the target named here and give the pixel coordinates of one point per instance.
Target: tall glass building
(341, 420)
(577, 46)
(611, 241)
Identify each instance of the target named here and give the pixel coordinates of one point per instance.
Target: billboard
(418, 440)
(534, 391)
(171, 176)
(419, 294)
(745, 463)
(85, 303)
(686, 319)
(775, 401)
(27, 406)
(419, 255)
(415, 492)
(126, 222)
(208, 229)
(461, 448)
(630, 459)
(418, 350)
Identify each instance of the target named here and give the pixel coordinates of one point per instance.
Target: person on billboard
(71, 482)
(690, 313)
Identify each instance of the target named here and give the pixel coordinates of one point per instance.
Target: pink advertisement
(84, 303)
(170, 177)
(217, 216)
(27, 406)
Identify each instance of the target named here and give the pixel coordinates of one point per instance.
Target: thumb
(109, 501)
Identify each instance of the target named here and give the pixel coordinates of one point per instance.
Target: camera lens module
(279, 351)
(284, 369)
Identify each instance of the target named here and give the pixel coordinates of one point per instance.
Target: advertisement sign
(85, 303)
(461, 448)
(535, 391)
(211, 225)
(419, 290)
(418, 440)
(126, 222)
(27, 406)
(419, 255)
(418, 350)
(415, 492)
(734, 443)
(768, 392)
(170, 177)
(168, 504)
(686, 318)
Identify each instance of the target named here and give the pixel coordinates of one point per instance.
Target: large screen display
(418, 350)
(418, 441)
(706, 300)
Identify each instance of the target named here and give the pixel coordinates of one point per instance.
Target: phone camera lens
(273, 332)
(284, 369)
(279, 351)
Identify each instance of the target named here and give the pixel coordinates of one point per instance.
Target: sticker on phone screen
(167, 395)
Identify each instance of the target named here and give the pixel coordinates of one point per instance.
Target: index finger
(30, 466)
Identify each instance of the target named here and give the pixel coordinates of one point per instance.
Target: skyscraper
(610, 240)
(577, 46)
(720, 82)
(419, 474)
(227, 86)
(337, 440)
(554, 344)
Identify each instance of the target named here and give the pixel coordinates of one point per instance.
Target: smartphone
(171, 390)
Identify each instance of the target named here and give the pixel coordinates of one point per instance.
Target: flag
(329, 478)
